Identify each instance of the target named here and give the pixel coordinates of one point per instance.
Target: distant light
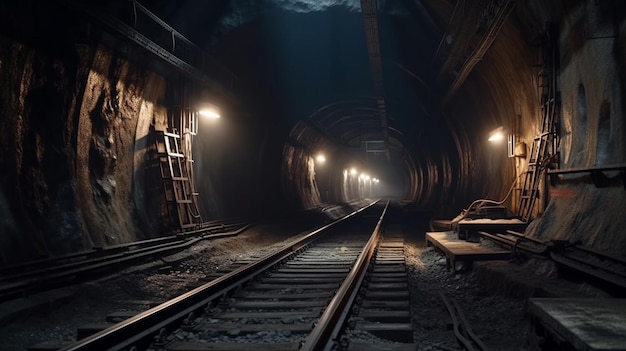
(353, 171)
(496, 134)
(210, 113)
(365, 176)
(320, 158)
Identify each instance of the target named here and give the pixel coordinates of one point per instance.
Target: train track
(462, 329)
(607, 270)
(380, 318)
(334, 286)
(23, 279)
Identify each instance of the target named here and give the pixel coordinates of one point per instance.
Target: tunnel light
(353, 171)
(496, 135)
(209, 113)
(320, 158)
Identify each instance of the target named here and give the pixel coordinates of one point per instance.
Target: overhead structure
(355, 124)
(142, 27)
(473, 27)
(369, 10)
(173, 147)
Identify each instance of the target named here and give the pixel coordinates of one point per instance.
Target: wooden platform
(461, 250)
(469, 227)
(586, 324)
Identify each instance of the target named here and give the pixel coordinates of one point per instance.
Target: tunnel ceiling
(84, 97)
(380, 79)
(312, 61)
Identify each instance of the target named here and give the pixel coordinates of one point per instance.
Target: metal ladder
(545, 144)
(177, 177)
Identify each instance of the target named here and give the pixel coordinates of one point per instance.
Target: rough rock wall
(68, 123)
(593, 53)
(298, 168)
(592, 47)
(111, 106)
(40, 90)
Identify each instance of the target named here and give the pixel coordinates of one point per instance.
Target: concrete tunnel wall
(75, 115)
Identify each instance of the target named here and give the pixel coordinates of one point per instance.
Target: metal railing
(135, 22)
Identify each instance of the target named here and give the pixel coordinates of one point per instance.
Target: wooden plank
(377, 315)
(277, 305)
(587, 324)
(240, 329)
(447, 242)
(260, 346)
(272, 314)
(461, 250)
(486, 224)
(359, 346)
(288, 296)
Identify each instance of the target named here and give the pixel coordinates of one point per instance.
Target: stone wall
(592, 43)
(68, 124)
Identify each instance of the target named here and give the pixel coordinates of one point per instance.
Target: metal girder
(369, 10)
(192, 62)
(471, 31)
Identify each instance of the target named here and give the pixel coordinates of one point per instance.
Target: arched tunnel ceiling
(377, 95)
(314, 53)
(83, 98)
(355, 124)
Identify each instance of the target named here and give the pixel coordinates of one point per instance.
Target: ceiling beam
(471, 31)
(369, 10)
(177, 51)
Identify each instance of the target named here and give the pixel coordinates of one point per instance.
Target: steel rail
(516, 244)
(621, 260)
(108, 254)
(330, 323)
(55, 276)
(138, 329)
(601, 273)
(570, 256)
(462, 330)
(563, 258)
(25, 268)
(467, 327)
(525, 237)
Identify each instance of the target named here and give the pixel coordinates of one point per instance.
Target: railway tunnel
(403, 92)
(132, 120)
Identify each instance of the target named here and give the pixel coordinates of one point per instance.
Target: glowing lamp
(209, 113)
(496, 135)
